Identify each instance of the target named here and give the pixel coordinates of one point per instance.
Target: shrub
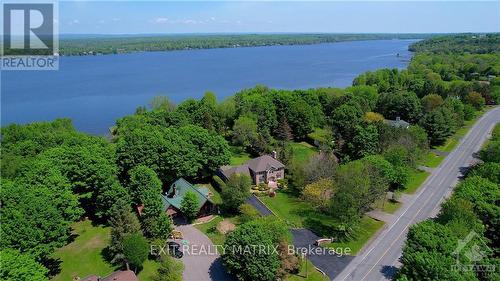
(248, 213)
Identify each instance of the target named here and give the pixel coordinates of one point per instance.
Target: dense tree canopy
(20, 267)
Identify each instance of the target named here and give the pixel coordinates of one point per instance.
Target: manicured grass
(239, 156)
(149, 270)
(387, 205)
(215, 194)
(302, 151)
(367, 228)
(210, 230)
(84, 256)
(417, 177)
(449, 145)
(312, 273)
(289, 208)
(432, 160)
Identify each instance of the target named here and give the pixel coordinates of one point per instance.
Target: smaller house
(398, 123)
(172, 199)
(263, 169)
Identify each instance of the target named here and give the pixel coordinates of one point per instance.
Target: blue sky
(131, 17)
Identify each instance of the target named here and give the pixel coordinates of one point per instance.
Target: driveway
(263, 209)
(330, 263)
(201, 261)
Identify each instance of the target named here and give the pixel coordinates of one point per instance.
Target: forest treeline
(114, 45)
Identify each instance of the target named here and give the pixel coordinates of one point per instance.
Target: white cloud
(159, 20)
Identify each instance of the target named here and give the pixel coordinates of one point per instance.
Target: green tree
(489, 170)
(158, 227)
(427, 254)
(365, 142)
(161, 103)
(236, 192)
(254, 265)
(319, 193)
(475, 99)
(169, 270)
(135, 250)
(245, 131)
(20, 267)
(145, 188)
(491, 153)
(123, 222)
(431, 102)
(345, 118)
(366, 96)
(400, 104)
(439, 125)
(33, 220)
(190, 205)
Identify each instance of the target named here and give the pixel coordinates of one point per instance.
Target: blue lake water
(96, 90)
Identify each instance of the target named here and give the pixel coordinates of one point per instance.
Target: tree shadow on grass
(53, 265)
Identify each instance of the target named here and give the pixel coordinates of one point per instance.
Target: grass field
(387, 205)
(83, 256)
(312, 273)
(302, 151)
(210, 230)
(289, 208)
(367, 228)
(432, 160)
(238, 156)
(417, 177)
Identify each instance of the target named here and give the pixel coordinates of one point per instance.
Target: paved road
(201, 261)
(379, 260)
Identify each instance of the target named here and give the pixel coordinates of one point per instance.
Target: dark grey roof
(399, 123)
(230, 170)
(264, 163)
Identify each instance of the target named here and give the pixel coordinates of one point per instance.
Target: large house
(263, 169)
(172, 199)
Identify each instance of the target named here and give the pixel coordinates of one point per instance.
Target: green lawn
(289, 208)
(238, 155)
(302, 151)
(387, 205)
(432, 160)
(449, 145)
(210, 230)
(417, 177)
(312, 273)
(83, 256)
(367, 228)
(149, 270)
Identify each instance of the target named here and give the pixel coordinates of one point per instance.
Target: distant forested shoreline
(97, 45)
